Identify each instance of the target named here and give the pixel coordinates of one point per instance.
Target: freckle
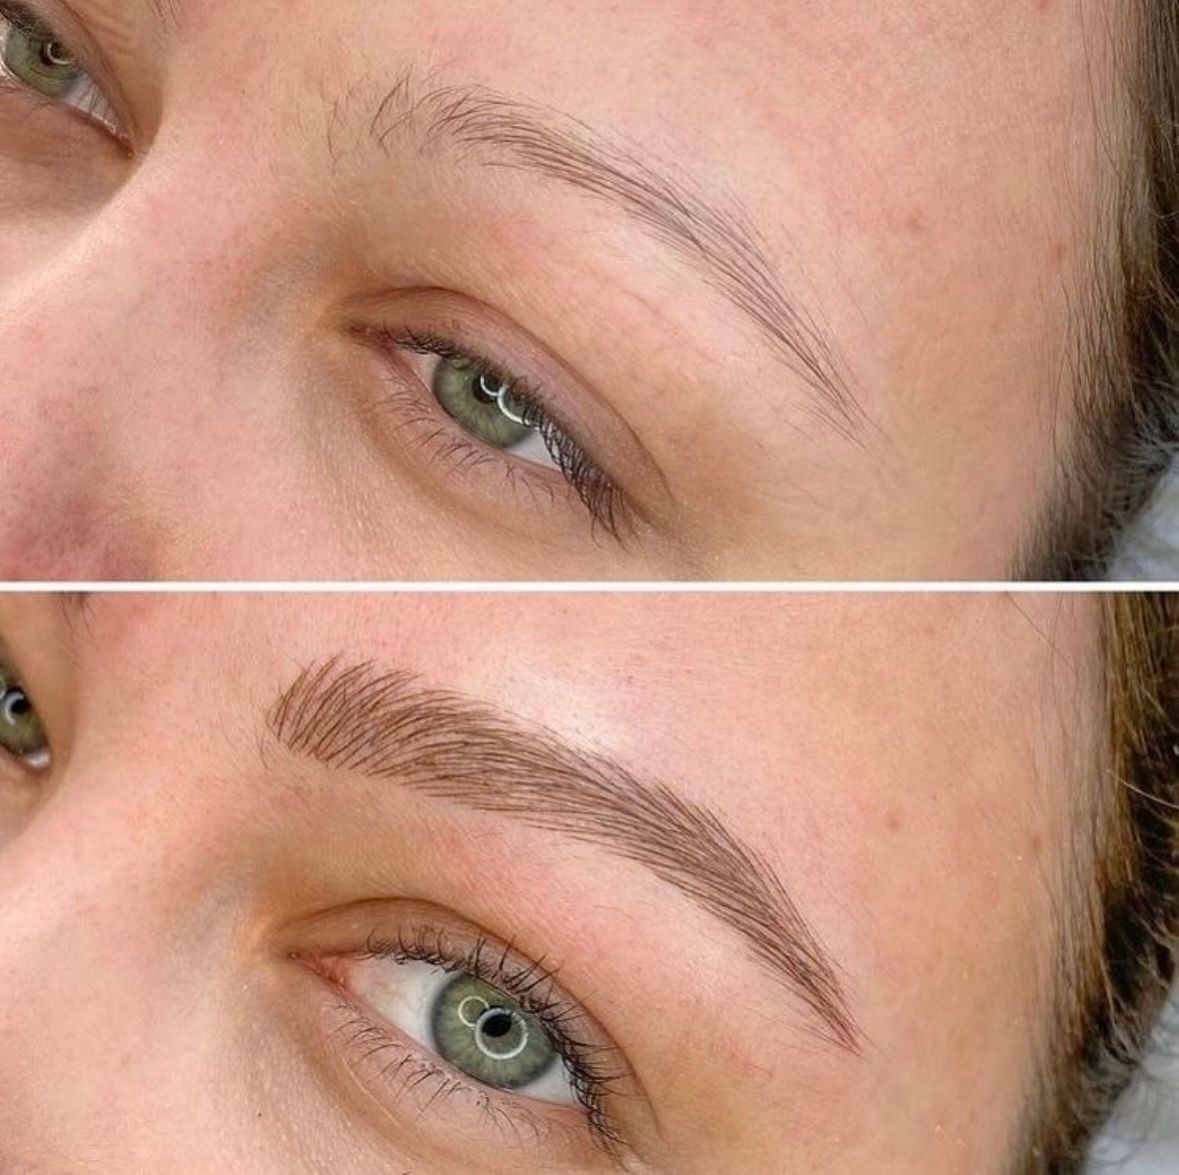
(915, 223)
(1059, 253)
(1037, 845)
(892, 820)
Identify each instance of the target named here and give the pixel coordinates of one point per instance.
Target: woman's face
(759, 868)
(540, 290)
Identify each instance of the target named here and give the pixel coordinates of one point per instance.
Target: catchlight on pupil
(35, 57)
(482, 404)
(486, 1034)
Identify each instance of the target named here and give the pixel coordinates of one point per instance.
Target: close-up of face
(540, 290)
(503, 883)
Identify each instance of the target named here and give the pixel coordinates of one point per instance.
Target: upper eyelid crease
(718, 241)
(385, 725)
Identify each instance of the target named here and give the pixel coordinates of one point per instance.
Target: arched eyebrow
(385, 724)
(718, 240)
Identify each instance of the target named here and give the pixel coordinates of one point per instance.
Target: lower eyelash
(95, 109)
(606, 504)
(530, 985)
(407, 1069)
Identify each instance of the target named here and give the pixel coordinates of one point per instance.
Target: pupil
(54, 53)
(486, 389)
(19, 706)
(500, 1024)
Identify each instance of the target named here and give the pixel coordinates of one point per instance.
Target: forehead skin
(923, 178)
(910, 767)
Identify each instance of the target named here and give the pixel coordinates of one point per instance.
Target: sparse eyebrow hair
(387, 725)
(718, 241)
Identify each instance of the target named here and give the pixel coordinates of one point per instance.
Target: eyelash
(40, 761)
(606, 504)
(25, 19)
(531, 985)
(20, 17)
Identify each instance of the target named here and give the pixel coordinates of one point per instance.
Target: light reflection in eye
(34, 58)
(22, 734)
(472, 1025)
(488, 407)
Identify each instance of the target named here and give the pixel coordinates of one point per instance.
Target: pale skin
(176, 890)
(186, 385)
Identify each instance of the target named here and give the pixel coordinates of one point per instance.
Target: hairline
(1124, 352)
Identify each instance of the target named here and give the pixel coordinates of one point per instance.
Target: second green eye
(481, 404)
(22, 734)
(34, 56)
(487, 1035)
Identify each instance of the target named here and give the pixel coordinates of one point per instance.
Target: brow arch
(716, 237)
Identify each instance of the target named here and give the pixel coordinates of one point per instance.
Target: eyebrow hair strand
(386, 725)
(718, 241)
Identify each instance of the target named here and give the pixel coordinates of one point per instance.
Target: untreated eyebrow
(717, 239)
(387, 725)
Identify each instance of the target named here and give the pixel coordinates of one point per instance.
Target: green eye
(21, 734)
(32, 54)
(481, 404)
(487, 1035)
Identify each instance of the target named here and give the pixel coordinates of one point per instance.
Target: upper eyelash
(27, 20)
(531, 986)
(606, 504)
(604, 501)
(22, 17)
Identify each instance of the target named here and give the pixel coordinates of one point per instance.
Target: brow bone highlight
(386, 725)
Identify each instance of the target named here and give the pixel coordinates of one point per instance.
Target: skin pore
(796, 282)
(199, 898)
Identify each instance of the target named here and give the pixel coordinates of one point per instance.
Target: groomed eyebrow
(387, 725)
(719, 241)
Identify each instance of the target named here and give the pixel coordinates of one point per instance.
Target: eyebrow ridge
(718, 241)
(386, 725)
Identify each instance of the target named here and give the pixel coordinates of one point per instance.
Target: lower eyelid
(451, 446)
(455, 448)
(395, 1072)
(619, 517)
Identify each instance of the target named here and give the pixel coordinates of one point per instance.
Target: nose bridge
(105, 936)
(132, 330)
(64, 892)
(67, 909)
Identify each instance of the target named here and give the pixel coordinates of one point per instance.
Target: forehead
(848, 691)
(840, 115)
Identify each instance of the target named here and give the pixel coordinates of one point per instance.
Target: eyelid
(391, 1069)
(572, 460)
(64, 21)
(327, 943)
(571, 402)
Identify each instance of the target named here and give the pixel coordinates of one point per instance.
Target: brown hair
(1126, 361)
(1121, 937)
